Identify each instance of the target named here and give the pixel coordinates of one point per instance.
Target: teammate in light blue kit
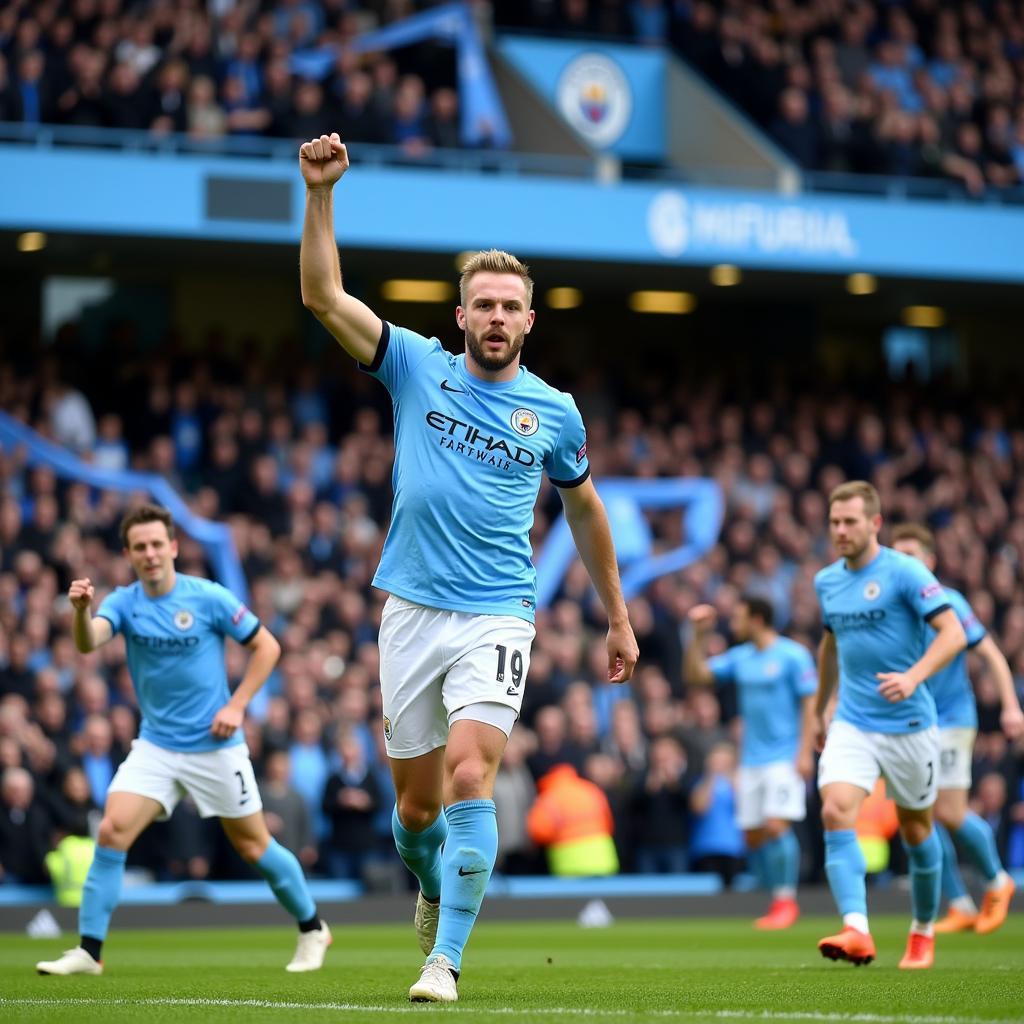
(190, 741)
(958, 725)
(879, 609)
(473, 435)
(776, 681)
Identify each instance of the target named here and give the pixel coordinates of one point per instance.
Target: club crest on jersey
(871, 590)
(387, 728)
(525, 422)
(183, 620)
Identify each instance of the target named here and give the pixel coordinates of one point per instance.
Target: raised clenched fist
(81, 593)
(323, 161)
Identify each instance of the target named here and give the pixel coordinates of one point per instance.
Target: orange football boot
(783, 913)
(920, 952)
(955, 921)
(849, 944)
(995, 907)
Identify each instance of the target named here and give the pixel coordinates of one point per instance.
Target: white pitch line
(506, 1011)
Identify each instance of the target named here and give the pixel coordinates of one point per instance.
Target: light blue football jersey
(770, 684)
(951, 686)
(468, 461)
(175, 646)
(879, 615)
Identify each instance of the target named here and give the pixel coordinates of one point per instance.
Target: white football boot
(311, 949)
(437, 982)
(72, 961)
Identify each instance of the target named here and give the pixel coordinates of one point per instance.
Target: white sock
(923, 928)
(784, 892)
(998, 882)
(858, 921)
(964, 904)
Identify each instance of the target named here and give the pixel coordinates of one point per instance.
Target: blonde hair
(858, 489)
(494, 261)
(915, 531)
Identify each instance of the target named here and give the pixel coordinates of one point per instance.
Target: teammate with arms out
(775, 682)
(191, 736)
(958, 725)
(473, 435)
(888, 626)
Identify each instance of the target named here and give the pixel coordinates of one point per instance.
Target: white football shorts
(439, 666)
(908, 761)
(956, 752)
(221, 782)
(768, 791)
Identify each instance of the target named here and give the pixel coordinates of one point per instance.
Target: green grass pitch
(687, 970)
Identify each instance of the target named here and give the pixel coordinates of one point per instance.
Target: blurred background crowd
(295, 454)
(919, 89)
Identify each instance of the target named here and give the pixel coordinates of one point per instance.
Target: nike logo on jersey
(463, 872)
(456, 391)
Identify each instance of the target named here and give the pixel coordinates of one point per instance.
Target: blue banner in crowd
(483, 121)
(613, 97)
(700, 505)
(218, 544)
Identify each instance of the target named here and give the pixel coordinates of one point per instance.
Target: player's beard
(493, 361)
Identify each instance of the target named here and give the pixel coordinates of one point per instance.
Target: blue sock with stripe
(467, 860)
(953, 887)
(421, 851)
(846, 871)
(925, 877)
(979, 842)
(100, 894)
(283, 872)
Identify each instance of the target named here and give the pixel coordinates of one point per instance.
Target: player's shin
(925, 880)
(468, 860)
(100, 896)
(421, 851)
(953, 887)
(280, 867)
(846, 871)
(979, 842)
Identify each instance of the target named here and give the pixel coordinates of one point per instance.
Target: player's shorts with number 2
(434, 662)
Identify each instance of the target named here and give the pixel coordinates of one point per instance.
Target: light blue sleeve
(921, 590)
(112, 608)
(399, 352)
(975, 631)
(802, 671)
(723, 666)
(821, 604)
(567, 464)
(229, 615)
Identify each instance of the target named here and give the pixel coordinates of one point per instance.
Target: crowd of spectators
(223, 69)
(916, 89)
(922, 89)
(298, 460)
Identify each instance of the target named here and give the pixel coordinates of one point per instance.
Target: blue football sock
(925, 877)
(785, 860)
(953, 887)
(758, 867)
(846, 870)
(421, 851)
(774, 863)
(101, 892)
(467, 860)
(280, 867)
(976, 837)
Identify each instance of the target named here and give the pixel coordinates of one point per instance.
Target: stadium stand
(297, 461)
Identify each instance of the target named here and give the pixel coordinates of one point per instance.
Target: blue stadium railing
(46, 136)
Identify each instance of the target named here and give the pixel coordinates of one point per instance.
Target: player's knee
(469, 780)
(416, 815)
(248, 848)
(915, 831)
(113, 835)
(837, 814)
(774, 829)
